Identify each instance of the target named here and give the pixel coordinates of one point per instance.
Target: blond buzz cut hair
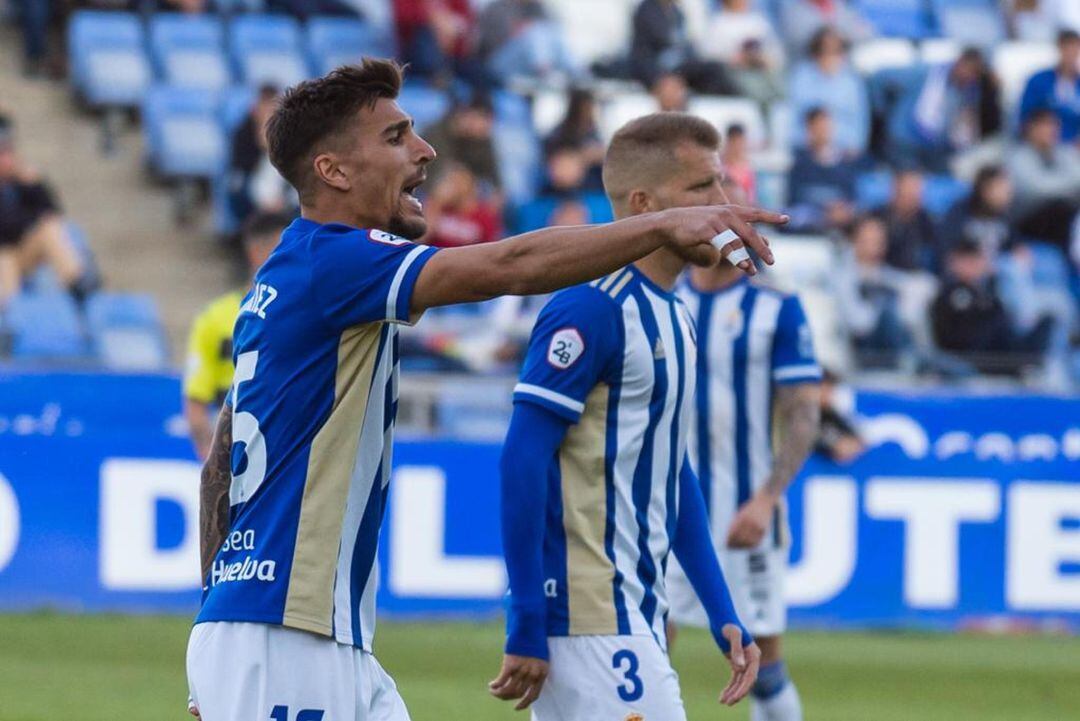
(642, 154)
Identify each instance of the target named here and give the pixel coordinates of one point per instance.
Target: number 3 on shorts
(632, 689)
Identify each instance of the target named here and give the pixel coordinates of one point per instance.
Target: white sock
(784, 706)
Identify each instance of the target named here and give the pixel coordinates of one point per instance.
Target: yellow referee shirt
(209, 371)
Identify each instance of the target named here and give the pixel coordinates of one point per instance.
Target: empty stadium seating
(183, 134)
(267, 50)
(189, 50)
(108, 61)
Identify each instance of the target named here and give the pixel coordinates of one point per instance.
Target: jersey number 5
(249, 468)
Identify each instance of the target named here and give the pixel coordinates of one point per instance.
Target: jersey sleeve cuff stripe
(395, 285)
(548, 395)
(808, 371)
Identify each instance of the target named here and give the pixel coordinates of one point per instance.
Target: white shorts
(259, 672)
(756, 581)
(621, 678)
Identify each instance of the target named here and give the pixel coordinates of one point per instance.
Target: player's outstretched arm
(694, 549)
(214, 491)
(798, 413)
(531, 444)
(546, 260)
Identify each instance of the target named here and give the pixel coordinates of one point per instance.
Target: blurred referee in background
(208, 374)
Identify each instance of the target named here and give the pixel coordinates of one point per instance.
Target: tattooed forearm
(799, 415)
(214, 491)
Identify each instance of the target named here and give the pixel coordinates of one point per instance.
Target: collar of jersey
(648, 283)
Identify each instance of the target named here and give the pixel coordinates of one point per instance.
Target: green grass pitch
(105, 668)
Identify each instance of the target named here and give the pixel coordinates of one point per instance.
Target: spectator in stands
(209, 371)
(660, 45)
(838, 440)
(1046, 175)
(822, 179)
(32, 232)
(1058, 88)
(802, 20)
(464, 136)
(671, 93)
(743, 39)
(828, 81)
(913, 237)
(735, 157)
(577, 133)
(457, 214)
(953, 109)
(434, 35)
(521, 39)
(34, 18)
(870, 293)
(969, 318)
(254, 184)
(1038, 20)
(983, 216)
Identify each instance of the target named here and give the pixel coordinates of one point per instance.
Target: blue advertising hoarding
(965, 510)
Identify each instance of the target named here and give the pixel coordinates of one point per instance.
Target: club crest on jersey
(565, 348)
(381, 236)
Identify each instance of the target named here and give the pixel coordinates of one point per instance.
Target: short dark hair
(648, 143)
(261, 224)
(1040, 113)
(735, 130)
(1067, 35)
(814, 113)
(313, 111)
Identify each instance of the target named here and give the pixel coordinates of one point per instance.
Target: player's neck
(662, 267)
(711, 280)
(327, 212)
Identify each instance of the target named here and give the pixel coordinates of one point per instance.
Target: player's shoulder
(588, 300)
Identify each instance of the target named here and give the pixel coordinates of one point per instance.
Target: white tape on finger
(737, 255)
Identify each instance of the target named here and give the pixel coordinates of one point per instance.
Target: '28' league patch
(565, 348)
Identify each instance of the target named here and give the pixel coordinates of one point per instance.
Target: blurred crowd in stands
(928, 151)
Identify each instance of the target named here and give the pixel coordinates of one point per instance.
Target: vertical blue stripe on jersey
(704, 447)
(558, 608)
(738, 376)
(643, 474)
(676, 427)
(367, 535)
(611, 452)
(769, 410)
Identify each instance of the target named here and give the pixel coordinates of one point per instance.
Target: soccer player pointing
(596, 485)
(295, 485)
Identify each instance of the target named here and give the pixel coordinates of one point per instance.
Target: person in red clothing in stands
(457, 214)
(434, 35)
(736, 159)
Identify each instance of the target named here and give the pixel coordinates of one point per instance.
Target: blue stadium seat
(336, 41)
(189, 50)
(267, 50)
(899, 18)
(108, 60)
(536, 213)
(46, 327)
(971, 22)
(424, 103)
(940, 192)
(183, 135)
(511, 108)
(126, 331)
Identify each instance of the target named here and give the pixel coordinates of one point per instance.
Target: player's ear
(329, 170)
(640, 202)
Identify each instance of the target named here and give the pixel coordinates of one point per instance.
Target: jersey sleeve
(363, 276)
(199, 378)
(575, 344)
(793, 359)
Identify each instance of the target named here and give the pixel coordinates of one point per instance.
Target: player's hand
(744, 661)
(752, 520)
(522, 678)
(691, 230)
(192, 708)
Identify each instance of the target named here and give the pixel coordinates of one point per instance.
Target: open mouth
(411, 187)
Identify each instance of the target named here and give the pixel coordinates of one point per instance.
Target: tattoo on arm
(799, 415)
(214, 491)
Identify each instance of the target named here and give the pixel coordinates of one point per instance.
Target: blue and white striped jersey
(616, 358)
(750, 339)
(314, 399)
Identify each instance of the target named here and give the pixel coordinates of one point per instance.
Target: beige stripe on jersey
(309, 604)
(590, 574)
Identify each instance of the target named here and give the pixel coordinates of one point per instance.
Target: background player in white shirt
(758, 402)
(294, 489)
(597, 488)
